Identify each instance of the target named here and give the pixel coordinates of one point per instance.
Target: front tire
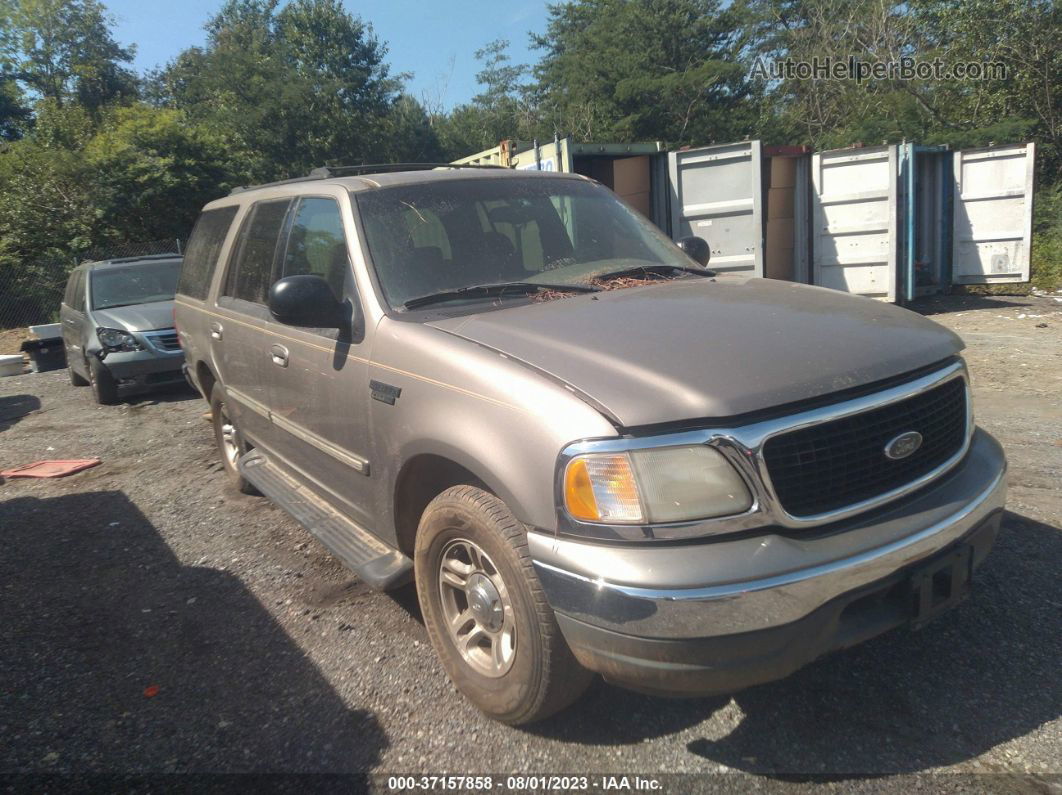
(231, 444)
(486, 613)
(104, 387)
(75, 379)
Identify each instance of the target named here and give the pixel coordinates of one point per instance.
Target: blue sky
(433, 40)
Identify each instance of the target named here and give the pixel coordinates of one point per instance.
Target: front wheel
(75, 379)
(104, 386)
(485, 611)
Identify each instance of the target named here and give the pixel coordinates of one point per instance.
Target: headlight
(653, 486)
(114, 339)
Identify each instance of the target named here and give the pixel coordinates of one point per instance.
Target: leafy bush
(1047, 239)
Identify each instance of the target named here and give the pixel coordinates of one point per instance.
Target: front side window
(250, 272)
(426, 238)
(140, 283)
(317, 243)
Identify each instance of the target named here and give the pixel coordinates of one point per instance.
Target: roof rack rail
(242, 188)
(328, 172)
(324, 172)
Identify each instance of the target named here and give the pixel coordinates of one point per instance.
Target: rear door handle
(279, 355)
(216, 330)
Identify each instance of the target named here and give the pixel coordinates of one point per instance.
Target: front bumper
(145, 368)
(725, 614)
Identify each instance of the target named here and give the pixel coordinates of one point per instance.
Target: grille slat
(839, 463)
(165, 340)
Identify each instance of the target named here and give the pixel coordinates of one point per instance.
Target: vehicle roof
(121, 262)
(386, 179)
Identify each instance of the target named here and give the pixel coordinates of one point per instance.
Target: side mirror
(306, 300)
(696, 248)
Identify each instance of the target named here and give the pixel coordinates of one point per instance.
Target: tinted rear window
(208, 237)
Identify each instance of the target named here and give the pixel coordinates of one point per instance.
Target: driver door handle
(279, 354)
(216, 330)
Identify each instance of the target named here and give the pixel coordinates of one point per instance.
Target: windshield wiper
(498, 288)
(654, 269)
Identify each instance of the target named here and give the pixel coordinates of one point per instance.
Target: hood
(138, 317)
(693, 349)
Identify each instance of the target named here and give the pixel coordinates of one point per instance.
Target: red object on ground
(50, 469)
(151, 691)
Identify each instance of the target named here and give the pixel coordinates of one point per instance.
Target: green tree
(153, 172)
(288, 89)
(14, 114)
(642, 69)
(1021, 35)
(72, 184)
(63, 50)
(409, 135)
(504, 108)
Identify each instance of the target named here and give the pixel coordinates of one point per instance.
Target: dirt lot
(268, 656)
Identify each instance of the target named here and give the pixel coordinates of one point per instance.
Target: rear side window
(251, 270)
(68, 296)
(208, 237)
(317, 243)
(75, 291)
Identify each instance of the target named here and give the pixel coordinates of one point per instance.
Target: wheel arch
(205, 378)
(425, 475)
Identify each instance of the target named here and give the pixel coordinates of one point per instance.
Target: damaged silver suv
(117, 323)
(591, 453)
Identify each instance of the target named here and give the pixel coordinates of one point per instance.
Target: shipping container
(891, 222)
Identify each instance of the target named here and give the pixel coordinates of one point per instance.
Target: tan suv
(590, 452)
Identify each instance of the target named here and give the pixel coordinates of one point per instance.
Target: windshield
(135, 284)
(427, 238)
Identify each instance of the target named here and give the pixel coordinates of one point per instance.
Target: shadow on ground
(14, 407)
(177, 393)
(982, 675)
(96, 610)
(945, 304)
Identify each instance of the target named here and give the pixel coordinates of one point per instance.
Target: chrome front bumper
(764, 579)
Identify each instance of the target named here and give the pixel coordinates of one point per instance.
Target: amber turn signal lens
(601, 488)
(579, 492)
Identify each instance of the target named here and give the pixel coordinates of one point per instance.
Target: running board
(377, 564)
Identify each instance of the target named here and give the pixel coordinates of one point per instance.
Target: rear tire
(486, 613)
(230, 442)
(104, 387)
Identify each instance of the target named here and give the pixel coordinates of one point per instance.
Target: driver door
(319, 378)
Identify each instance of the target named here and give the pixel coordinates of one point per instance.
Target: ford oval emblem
(903, 445)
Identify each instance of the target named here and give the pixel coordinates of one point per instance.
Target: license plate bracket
(941, 585)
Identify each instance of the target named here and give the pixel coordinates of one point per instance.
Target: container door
(717, 194)
(554, 156)
(993, 214)
(854, 234)
(925, 220)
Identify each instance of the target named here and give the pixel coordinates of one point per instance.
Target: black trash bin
(45, 354)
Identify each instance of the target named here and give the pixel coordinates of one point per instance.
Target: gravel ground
(146, 572)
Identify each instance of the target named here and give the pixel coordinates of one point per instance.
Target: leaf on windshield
(615, 283)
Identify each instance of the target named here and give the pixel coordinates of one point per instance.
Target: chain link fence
(30, 292)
